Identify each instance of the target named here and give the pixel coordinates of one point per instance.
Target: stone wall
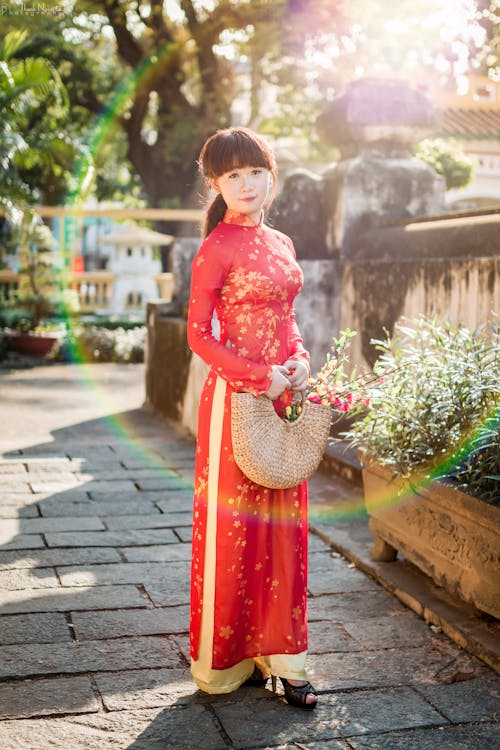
(376, 294)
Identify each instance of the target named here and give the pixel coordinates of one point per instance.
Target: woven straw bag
(274, 452)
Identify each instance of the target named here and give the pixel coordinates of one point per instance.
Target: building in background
(472, 120)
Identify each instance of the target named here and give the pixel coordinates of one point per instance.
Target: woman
(249, 566)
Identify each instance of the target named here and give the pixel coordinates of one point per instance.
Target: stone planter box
(452, 537)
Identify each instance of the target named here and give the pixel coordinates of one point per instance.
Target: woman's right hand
(279, 383)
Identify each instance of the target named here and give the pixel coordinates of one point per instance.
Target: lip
(249, 200)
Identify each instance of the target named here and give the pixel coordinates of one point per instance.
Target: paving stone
(66, 497)
(362, 669)
(43, 452)
(54, 508)
(122, 490)
(42, 525)
(53, 476)
(184, 533)
(127, 622)
(104, 475)
(108, 468)
(65, 599)
(47, 697)
(403, 629)
(139, 459)
(254, 723)
(51, 557)
(18, 511)
(171, 593)
(325, 637)
(171, 483)
(189, 727)
(110, 538)
(316, 544)
(146, 688)
(128, 496)
(50, 465)
(145, 521)
(177, 500)
(471, 700)
(163, 553)
(113, 488)
(60, 484)
(123, 573)
(17, 499)
(78, 452)
(34, 578)
(182, 643)
(339, 607)
(378, 710)
(16, 469)
(49, 627)
(87, 656)
(467, 737)
(23, 541)
(338, 580)
(137, 470)
(15, 483)
(186, 476)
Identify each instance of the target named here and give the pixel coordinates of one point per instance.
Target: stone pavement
(95, 497)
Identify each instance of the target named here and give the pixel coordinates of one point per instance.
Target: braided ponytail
(214, 213)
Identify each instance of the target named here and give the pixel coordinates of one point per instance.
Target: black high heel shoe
(296, 695)
(256, 679)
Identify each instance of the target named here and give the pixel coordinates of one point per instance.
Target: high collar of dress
(242, 220)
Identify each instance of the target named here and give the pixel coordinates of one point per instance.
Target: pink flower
(314, 398)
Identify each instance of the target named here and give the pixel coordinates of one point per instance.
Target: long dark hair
(229, 149)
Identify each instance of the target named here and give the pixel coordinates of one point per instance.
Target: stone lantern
(137, 270)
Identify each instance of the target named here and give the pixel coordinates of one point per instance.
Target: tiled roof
(470, 123)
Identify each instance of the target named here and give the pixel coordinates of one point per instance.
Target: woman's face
(245, 190)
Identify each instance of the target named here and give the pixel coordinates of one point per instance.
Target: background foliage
(145, 83)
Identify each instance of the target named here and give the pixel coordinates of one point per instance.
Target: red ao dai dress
(249, 562)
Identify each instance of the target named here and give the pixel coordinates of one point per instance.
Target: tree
(34, 150)
(148, 82)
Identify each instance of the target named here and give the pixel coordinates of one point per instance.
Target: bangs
(234, 148)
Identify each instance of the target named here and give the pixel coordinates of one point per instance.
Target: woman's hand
(279, 383)
(298, 374)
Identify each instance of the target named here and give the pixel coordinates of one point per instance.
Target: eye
(257, 171)
(233, 175)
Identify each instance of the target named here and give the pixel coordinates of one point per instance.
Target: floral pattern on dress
(248, 275)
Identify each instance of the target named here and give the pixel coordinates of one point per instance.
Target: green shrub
(436, 407)
(448, 160)
(16, 318)
(112, 323)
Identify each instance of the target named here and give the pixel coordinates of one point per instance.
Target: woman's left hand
(299, 374)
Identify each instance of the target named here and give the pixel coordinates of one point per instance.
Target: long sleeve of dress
(209, 270)
(296, 346)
